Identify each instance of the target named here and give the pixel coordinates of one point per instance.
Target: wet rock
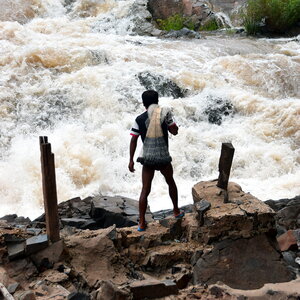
(164, 86)
(150, 289)
(182, 33)
(289, 239)
(36, 243)
(259, 260)
(217, 109)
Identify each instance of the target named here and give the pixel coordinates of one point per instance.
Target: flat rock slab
(36, 243)
(16, 250)
(243, 264)
(244, 215)
(118, 210)
(150, 289)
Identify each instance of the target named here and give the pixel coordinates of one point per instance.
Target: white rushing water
(71, 72)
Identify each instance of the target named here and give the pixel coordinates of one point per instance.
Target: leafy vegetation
(210, 25)
(275, 15)
(175, 22)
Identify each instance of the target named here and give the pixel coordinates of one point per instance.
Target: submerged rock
(164, 86)
(218, 108)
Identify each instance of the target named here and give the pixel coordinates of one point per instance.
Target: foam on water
(70, 70)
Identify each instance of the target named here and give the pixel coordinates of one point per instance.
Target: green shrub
(175, 22)
(278, 15)
(210, 25)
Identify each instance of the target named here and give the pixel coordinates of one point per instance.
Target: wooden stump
(225, 163)
(49, 190)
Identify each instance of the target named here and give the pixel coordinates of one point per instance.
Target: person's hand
(131, 166)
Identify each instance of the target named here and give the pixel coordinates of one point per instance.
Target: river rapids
(70, 71)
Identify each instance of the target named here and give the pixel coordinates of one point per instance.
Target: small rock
(13, 287)
(36, 243)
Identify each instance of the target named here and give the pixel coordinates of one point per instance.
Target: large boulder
(243, 217)
(243, 264)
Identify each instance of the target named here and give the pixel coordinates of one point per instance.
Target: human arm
(169, 119)
(132, 148)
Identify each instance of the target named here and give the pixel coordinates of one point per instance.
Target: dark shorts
(157, 167)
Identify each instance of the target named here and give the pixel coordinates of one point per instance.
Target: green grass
(278, 15)
(175, 22)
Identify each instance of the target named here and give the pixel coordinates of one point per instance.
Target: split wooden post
(225, 163)
(49, 190)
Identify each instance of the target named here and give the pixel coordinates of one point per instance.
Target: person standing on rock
(153, 126)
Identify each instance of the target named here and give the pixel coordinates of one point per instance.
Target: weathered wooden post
(225, 162)
(49, 190)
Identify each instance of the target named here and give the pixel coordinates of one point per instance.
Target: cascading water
(70, 70)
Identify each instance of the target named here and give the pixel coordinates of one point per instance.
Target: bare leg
(147, 176)
(168, 174)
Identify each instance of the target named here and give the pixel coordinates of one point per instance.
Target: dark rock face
(164, 9)
(184, 32)
(217, 109)
(242, 264)
(164, 86)
(98, 212)
(288, 212)
(107, 211)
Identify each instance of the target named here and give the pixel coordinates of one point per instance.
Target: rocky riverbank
(217, 250)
